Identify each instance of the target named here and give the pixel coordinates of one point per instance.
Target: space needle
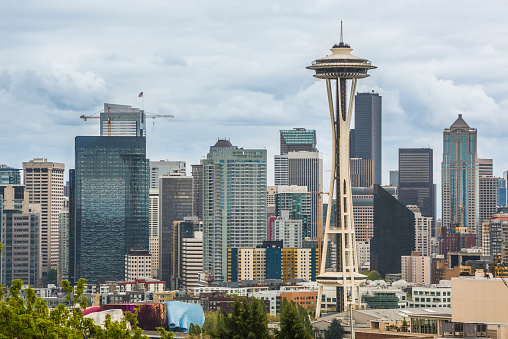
(340, 69)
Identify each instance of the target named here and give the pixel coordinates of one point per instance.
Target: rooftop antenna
(341, 36)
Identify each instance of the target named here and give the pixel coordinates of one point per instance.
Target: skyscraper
(154, 230)
(487, 192)
(20, 236)
(9, 175)
(111, 205)
(297, 140)
(416, 183)
(175, 203)
(164, 167)
(234, 203)
(460, 176)
(306, 169)
(44, 182)
(362, 172)
(394, 232)
(122, 120)
(368, 130)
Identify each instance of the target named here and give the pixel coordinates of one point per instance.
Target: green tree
(29, 317)
(211, 322)
(334, 330)
(248, 320)
(374, 275)
(292, 326)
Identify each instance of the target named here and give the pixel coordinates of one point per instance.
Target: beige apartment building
(44, 182)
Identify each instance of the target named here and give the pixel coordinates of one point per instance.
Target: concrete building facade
(20, 236)
(44, 183)
(415, 268)
(306, 169)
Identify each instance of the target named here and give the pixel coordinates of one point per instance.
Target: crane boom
(123, 115)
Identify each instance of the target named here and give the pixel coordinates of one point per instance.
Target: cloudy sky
(236, 69)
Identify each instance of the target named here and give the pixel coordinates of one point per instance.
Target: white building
(191, 260)
(153, 239)
(289, 231)
(44, 183)
(423, 228)
(138, 264)
(433, 296)
(363, 255)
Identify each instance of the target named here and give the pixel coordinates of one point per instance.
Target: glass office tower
(111, 204)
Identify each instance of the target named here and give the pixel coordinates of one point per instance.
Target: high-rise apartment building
(44, 182)
(459, 174)
(502, 190)
(110, 197)
(63, 240)
(394, 232)
(138, 264)
(487, 192)
(197, 191)
(191, 260)
(297, 140)
(306, 169)
(175, 204)
(362, 172)
(20, 236)
(234, 203)
(164, 167)
(297, 201)
(122, 121)
(287, 230)
(416, 182)
(9, 175)
(153, 239)
(281, 169)
(423, 229)
(366, 138)
(495, 236)
(186, 243)
(415, 268)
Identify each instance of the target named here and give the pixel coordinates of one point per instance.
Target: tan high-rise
(44, 183)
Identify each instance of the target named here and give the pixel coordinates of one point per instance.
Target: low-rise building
(435, 296)
(138, 264)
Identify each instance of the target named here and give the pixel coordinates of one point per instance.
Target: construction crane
(122, 115)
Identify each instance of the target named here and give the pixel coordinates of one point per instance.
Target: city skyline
(427, 75)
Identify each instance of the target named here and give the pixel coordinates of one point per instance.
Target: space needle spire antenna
(341, 70)
(341, 36)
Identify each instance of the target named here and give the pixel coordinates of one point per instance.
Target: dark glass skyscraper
(416, 185)
(175, 203)
(111, 204)
(366, 140)
(394, 232)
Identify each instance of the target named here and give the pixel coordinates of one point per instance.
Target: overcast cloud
(236, 69)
